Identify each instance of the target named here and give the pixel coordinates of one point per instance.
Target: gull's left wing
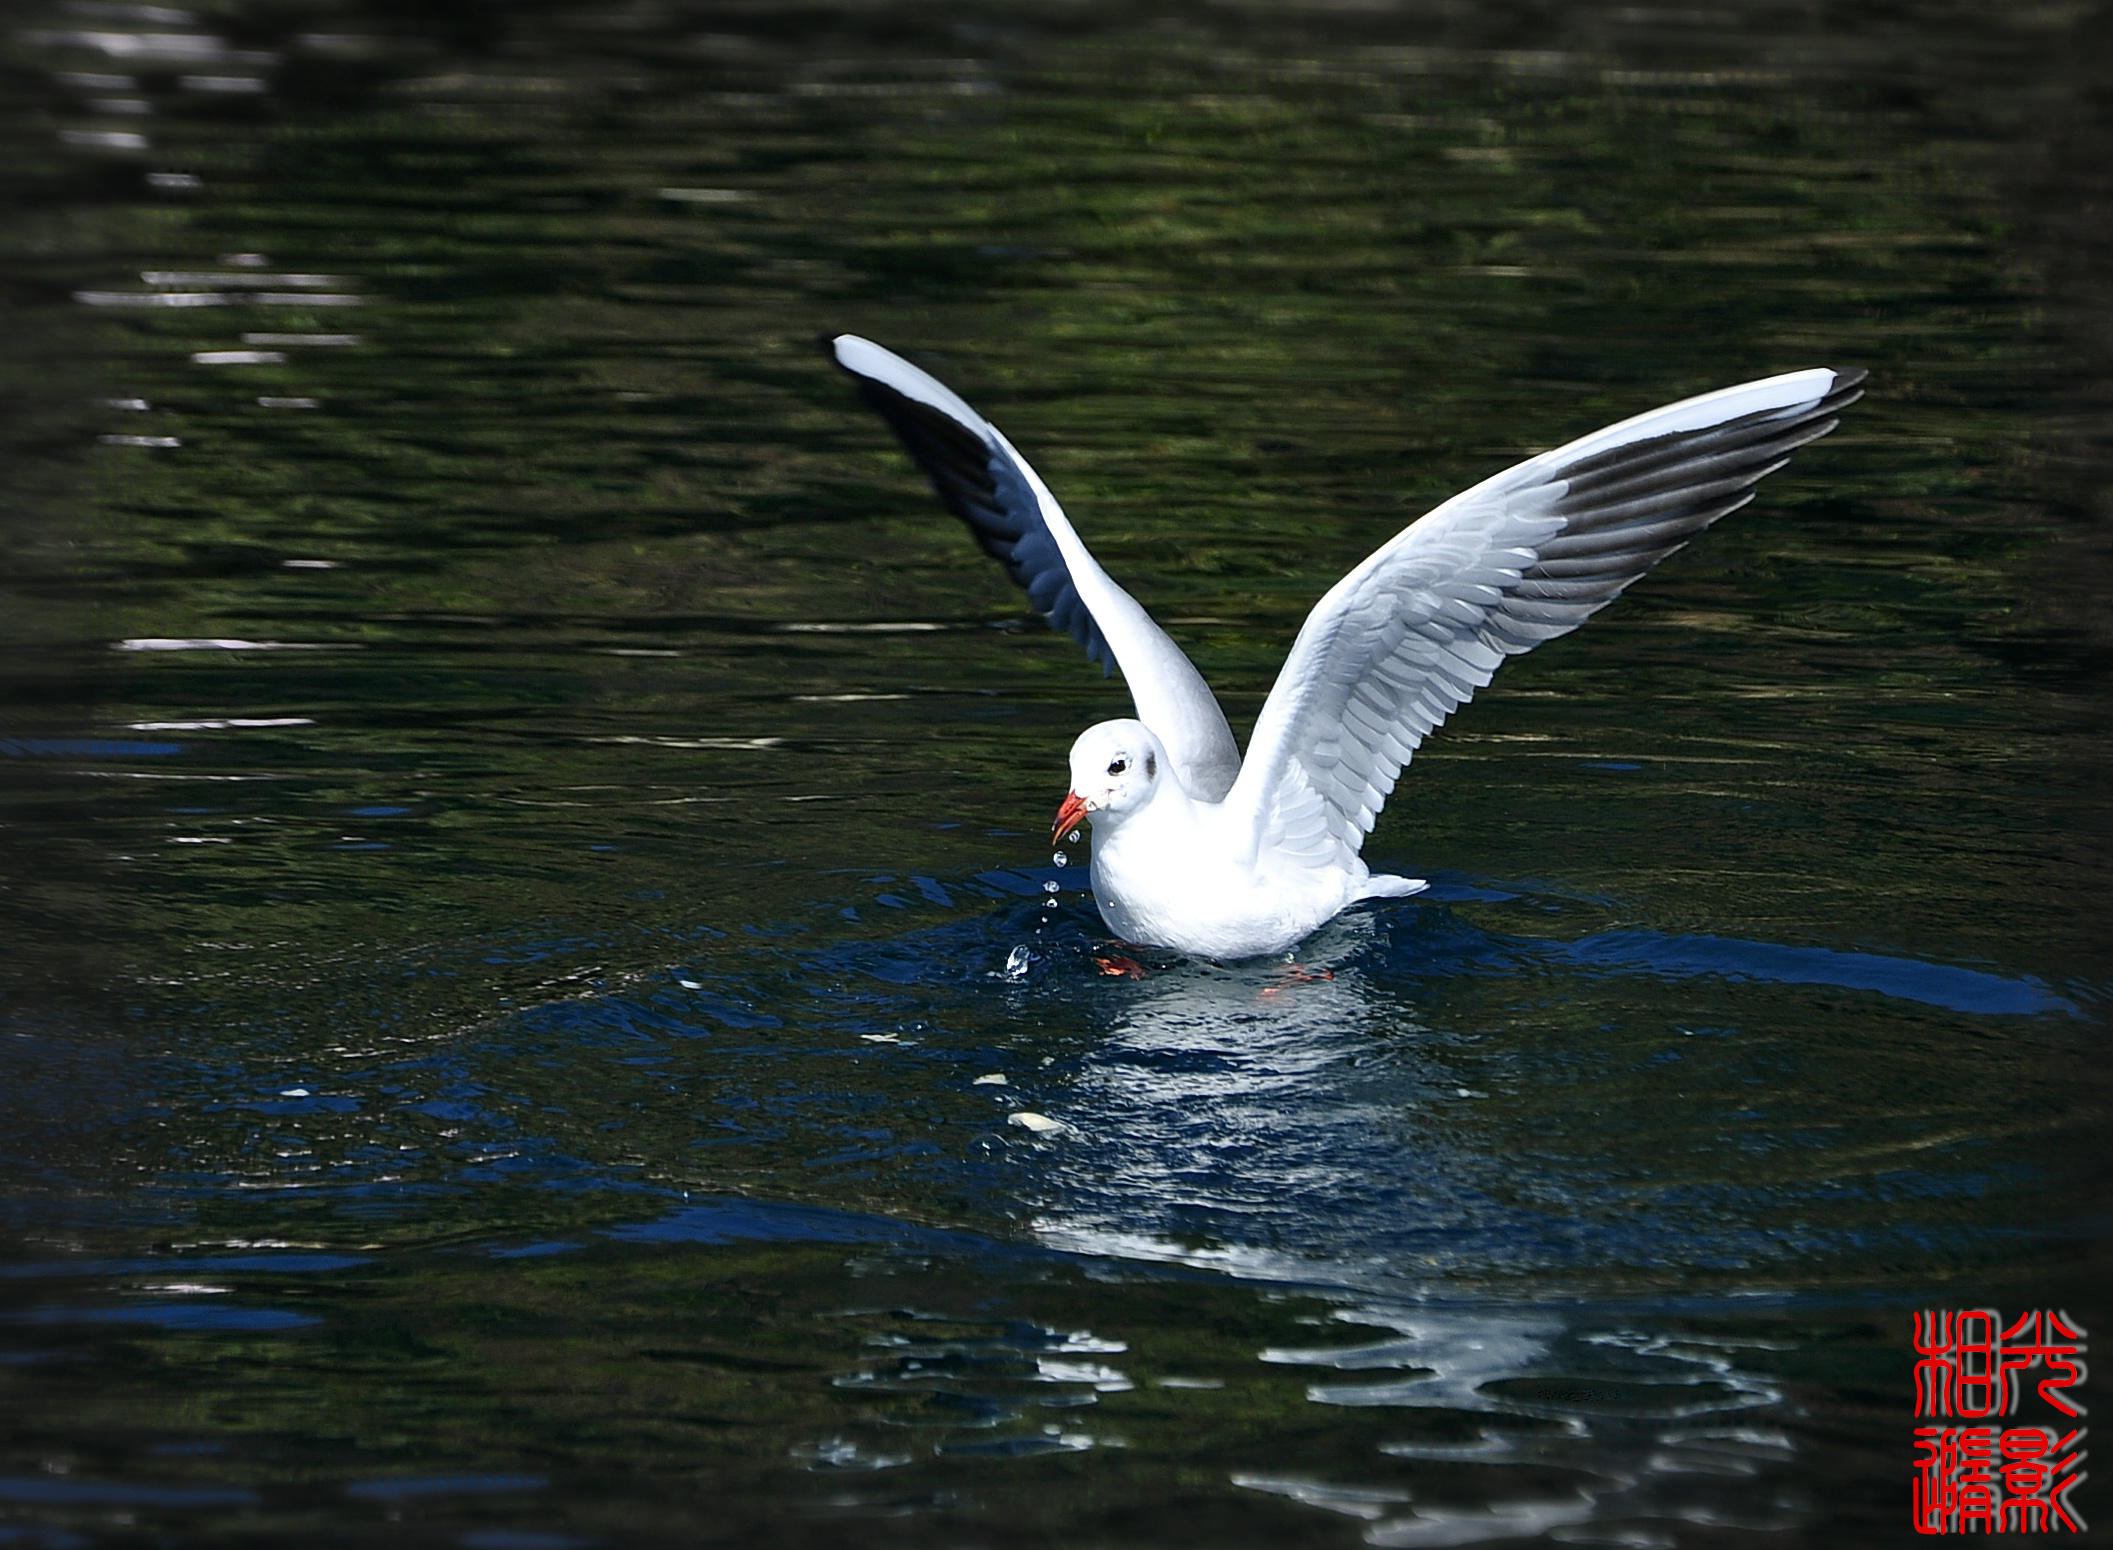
(988, 485)
(1408, 636)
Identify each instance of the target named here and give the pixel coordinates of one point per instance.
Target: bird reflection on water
(1220, 1097)
(1290, 1123)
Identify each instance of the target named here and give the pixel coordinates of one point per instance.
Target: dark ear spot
(1151, 766)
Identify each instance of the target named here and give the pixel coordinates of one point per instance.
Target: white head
(1116, 768)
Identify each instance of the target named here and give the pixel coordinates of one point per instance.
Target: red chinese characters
(1979, 1480)
(1987, 1479)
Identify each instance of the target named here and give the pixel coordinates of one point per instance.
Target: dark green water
(516, 807)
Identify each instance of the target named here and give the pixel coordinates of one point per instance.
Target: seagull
(1199, 850)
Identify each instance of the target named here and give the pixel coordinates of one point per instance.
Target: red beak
(1070, 815)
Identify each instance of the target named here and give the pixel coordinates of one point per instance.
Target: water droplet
(1060, 859)
(1073, 836)
(1050, 886)
(1016, 963)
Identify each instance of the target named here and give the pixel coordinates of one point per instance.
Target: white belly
(1170, 886)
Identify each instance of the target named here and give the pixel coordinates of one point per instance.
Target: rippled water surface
(535, 1009)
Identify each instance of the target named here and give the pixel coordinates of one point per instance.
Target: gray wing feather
(1409, 636)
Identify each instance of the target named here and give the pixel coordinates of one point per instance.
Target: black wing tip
(1847, 389)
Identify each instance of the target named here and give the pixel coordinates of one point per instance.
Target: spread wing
(988, 485)
(1409, 635)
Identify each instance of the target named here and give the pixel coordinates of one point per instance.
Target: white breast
(1168, 878)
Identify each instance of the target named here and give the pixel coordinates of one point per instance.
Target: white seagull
(1201, 851)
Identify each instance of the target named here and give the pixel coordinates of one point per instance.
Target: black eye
(1118, 766)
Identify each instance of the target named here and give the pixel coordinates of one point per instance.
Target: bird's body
(1151, 889)
(1200, 850)
(1174, 870)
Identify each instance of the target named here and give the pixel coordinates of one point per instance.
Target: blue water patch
(309, 1103)
(277, 1264)
(84, 748)
(209, 1317)
(1018, 884)
(731, 1012)
(727, 1219)
(1908, 979)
